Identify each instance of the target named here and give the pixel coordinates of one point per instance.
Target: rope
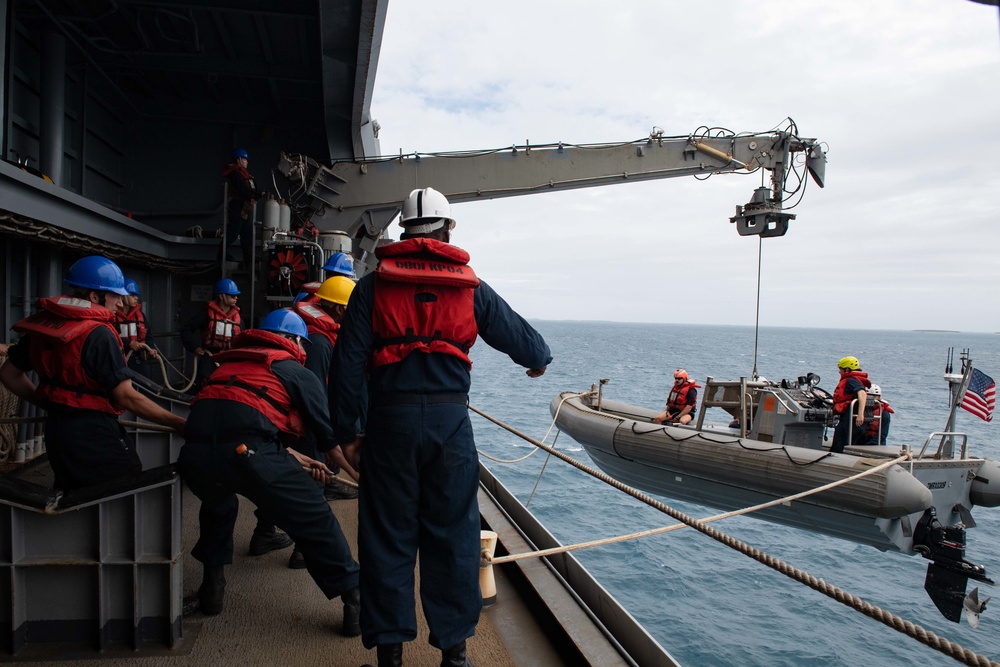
(887, 618)
(10, 404)
(711, 519)
(544, 438)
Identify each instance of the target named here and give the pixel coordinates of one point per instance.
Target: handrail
(943, 435)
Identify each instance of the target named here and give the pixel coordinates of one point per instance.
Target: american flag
(981, 396)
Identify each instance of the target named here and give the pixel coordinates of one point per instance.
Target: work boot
(455, 656)
(336, 490)
(389, 655)
(212, 591)
(352, 614)
(268, 540)
(297, 561)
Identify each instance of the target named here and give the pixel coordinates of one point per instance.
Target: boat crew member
(877, 430)
(133, 329)
(339, 264)
(323, 322)
(258, 397)
(84, 383)
(412, 323)
(681, 402)
(243, 194)
(212, 330)
(853, 386)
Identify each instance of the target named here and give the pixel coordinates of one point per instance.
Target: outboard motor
(949, 572)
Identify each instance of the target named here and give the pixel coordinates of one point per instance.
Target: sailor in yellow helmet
(853, 385)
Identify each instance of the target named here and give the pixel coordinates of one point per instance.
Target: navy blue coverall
(419, 471)
(271, 478)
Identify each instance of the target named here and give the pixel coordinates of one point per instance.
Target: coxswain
(852, 389)
(681, 402)
(83, 381)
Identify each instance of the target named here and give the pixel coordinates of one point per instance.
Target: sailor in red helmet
(257, 400)
(681, 402)
(851, 390)
(411, 324)
(213, 329)
(84, 384)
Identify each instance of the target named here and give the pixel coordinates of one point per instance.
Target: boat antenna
(756, 325)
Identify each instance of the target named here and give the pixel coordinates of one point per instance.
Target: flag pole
(957, 396)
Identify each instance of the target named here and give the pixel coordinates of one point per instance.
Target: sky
(903, 93)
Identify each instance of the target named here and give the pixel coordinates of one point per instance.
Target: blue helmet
(239, 152)
(226, 286)
(97, 273)
(132, 288)
(300, 296)
(285, 321)
(341, 264)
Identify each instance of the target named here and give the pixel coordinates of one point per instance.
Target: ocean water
(706, 604)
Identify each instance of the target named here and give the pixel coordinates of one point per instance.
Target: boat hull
(720, 469)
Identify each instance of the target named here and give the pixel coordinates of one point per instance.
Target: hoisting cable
(756, 322)
(924, 636)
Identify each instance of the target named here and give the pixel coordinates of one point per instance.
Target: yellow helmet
(336, 290)
(850, 363)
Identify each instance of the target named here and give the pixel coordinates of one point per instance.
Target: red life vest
(244, 174)
(222, 328)
(841, 399)
(317, 321)
(131, 325)
(424, 301)
(244, 375)
(59, 330)
(877, 409)
(677, 399)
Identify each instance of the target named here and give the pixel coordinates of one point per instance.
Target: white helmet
(875, 390)
(426, 210)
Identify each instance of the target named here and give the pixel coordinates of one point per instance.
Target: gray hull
(717, 468)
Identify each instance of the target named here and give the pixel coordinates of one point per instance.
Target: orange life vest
(132, 325)
(877, 409)
(677, 399)
(244, 375)
(424, 301)
(59, 330)
(317, 321)
(841, 399)
(222, 328)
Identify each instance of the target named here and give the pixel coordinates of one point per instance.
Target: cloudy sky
(905, 94)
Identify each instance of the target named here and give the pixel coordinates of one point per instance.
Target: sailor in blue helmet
(212, 329)
(259, 397)
(411, 323)
(340, 264)
(83, 382)
(134, 329)
(243, 194)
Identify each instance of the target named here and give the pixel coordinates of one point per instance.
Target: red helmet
(680, 374)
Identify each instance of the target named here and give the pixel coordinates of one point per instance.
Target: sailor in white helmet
(411, 324)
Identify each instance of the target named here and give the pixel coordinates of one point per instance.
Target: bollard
(487, 584)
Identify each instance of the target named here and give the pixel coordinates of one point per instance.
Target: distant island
(935, 331)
